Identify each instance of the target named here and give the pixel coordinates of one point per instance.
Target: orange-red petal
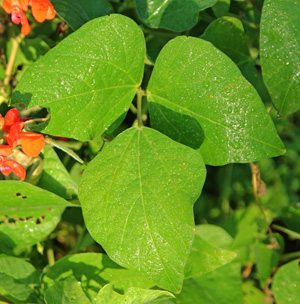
(11, 118)
(8, 166)
(14, 134)
(5, 150)
(32, 143)
(8, 5)
(42, 10)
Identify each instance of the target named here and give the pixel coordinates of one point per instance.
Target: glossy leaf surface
(197, 96)
(27, 213)
(228, 35)
(88, 89)
(174, 15)
(286, 283)
(78, 12)
(137, 197)
(280, 56)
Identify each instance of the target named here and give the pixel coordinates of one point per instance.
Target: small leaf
(228, 35)
(205, 258)
(78, 12)
(137, 197)
(27, 213)
(87, 90)
(68, 291)
(174, 15)
(132, 296)
(279, 47)
(17, 279)
(221, 286)
(286, 283)
(55, 177)
(198, 96)
(94, 270)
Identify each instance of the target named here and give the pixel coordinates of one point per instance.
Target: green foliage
(153, 114)
(279, 44)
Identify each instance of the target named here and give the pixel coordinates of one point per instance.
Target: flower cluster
(31, 143)
(41, 10)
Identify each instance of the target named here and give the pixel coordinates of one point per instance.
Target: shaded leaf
(94, 270)
(78, 12)
(55, 177)
(137, 197)
(174, 15)
(132, 296)
(18, 285)
(68, 291)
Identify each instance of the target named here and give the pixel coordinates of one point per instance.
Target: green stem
(140, 93)
(290, 233)
(50, 253)
(133, 109)
(290, 256)
(15, 42)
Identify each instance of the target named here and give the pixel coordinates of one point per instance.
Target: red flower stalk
(41, 10)
(31, 143)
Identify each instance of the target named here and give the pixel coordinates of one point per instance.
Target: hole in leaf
(18, 194)
(24, 197)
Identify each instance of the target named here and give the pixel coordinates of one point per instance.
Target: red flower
(8, 166)
(41, 10)
(31, 143)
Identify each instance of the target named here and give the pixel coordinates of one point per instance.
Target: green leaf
(174, 15)
(55, 177)
(251, 294)
(94, 270)
(228, 35)
(286, 283)
(221, 286)
(197, 96)
(221, 8)
(267, 257)
(279, 47)
(204, 258)
(27, 213)
(137, 197)
(78, 12)
(214, 235)
(88, 90)
(66, 292)
(17, 279)
(132, 296)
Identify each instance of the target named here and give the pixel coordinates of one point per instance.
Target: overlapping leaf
(280, 56)
(198, 96)
(89, 80)
(78, 12)
(132, 296)
(94, 270)
(137, 197)
(174, 15)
